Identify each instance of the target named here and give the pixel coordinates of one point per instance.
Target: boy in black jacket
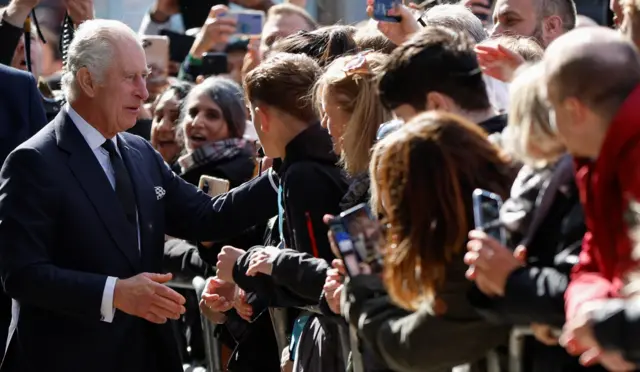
(311, 185)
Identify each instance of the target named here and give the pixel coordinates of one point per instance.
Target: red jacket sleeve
(586, 283)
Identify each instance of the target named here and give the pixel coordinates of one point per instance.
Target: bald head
(596, 65)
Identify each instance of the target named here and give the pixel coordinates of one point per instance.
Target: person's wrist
(200, 46)
(15, 14)
(116, 294)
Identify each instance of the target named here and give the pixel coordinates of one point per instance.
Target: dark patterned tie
(124, 187)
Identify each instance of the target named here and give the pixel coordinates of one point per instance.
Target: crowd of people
(105, 157)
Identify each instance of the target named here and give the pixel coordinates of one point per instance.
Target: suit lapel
(145, 198)
(93, 180)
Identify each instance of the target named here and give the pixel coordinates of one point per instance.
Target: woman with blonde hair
(529, 135)
(347, 100)
(423, 176)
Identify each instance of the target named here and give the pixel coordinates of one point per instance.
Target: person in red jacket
(592, 81)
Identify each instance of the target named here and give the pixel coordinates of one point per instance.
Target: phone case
(156, 49)
(250, 22)
(213, 186)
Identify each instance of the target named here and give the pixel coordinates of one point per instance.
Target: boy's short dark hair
(439, 60)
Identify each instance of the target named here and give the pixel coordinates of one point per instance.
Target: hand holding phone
(358, 237)
(486, 213)
(383, 10)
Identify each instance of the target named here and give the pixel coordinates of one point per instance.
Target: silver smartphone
(486, 213)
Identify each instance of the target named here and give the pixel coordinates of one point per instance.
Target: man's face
(565, 116)
(19, 59)
(518, 17)
(123, 91)
(280, 26)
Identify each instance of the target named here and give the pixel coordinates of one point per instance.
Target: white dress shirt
(95, 139)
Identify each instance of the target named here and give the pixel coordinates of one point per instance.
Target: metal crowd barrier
(212, 346)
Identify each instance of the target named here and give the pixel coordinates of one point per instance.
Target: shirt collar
(91, 135)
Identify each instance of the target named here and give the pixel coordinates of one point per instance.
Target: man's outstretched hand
(146, 296)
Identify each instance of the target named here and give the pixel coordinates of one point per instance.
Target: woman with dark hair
(166, 112)
(212, 125)
(423, 176)
(323, 45)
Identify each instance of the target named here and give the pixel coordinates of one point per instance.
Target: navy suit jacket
(21, 111)
(63, 232)
(21, 116)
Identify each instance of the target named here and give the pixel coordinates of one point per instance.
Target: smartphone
(381, 9)
(486, 213)
(195, 12)
(156, 49)
(345, 247)
(213, 186)
(179, 45)
(214, 64)
(249, 22)
(366, 235)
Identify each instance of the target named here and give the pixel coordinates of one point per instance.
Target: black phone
(347, 252)
(214, 64)
(366, 235)
(195, 12)
(486, 213)
(179, 45)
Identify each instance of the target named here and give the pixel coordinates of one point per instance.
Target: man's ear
(86, 82)
(577, 109)
(553, 27)
(439, 101)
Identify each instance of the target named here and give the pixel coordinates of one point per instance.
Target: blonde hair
(529, 136)
(356, 94)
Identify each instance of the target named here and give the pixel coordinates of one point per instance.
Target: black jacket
(312, 185)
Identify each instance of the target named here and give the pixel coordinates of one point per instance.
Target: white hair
(93, 47)
(456, 17)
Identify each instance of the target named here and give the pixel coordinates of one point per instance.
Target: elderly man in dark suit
(84, 208)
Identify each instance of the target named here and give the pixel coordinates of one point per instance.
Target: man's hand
(217, 298)
(216, 31)
(227, 261)
(490, 263)
(397, 32)
(498, 61)
(333, 286)
(18, 11)
(262, 261)
(145, 296)
(79, 10)
(578, 339)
